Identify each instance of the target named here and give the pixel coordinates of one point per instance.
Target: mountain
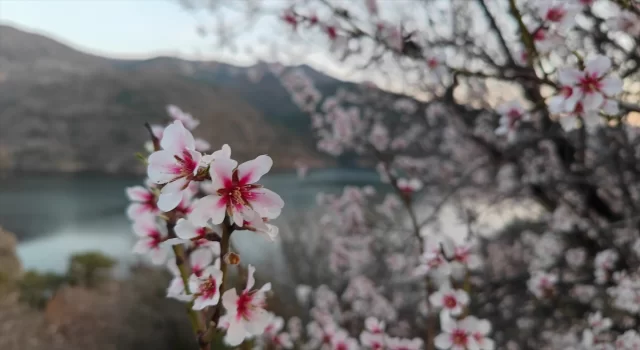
(65, 110)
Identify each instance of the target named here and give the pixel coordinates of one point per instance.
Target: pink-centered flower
(454, 336)
(409, 186)
(542, 284)
(246, 314)
(373, 341)
(174, 166)
(274, 335)
(450, 300)
(206, 287)
(374, 325)
(143, 202)
(342, 341)
(236, 192)
(511, 115)
(479, 331)
(151, 236)
(559, 13)
(590, 86)
(186, 118)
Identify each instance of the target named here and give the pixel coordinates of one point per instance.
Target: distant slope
(61, 109)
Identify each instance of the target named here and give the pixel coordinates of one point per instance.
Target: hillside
(63, 110)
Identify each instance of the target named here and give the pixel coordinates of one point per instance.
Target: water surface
(56, 215)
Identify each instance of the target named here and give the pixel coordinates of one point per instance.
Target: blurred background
(78, 81)
(382, 120)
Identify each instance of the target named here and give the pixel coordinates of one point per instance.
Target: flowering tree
(524, 102)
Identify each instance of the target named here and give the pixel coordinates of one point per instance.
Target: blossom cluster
(190, 204)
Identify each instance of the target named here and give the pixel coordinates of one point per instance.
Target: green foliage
(37, 288)
(89, 268)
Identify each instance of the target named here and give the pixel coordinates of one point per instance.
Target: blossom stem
(227, 229)
(197, 322)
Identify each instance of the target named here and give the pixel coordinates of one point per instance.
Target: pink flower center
(556, 14)
(539, 35)
(155, 239)
(186, 165)
(341, 346)
(290, 19)
(450, 301)
(478, 337)
(326, 338)
(197, 270)
(208, 288)
(459, 337)
(590, 83)
(244, 305)
(201, 232)
(237, 193)
(432, 63)
(332, 32)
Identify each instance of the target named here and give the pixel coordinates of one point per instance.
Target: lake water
(56, 215)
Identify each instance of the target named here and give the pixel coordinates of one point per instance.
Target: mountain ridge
(66, 110)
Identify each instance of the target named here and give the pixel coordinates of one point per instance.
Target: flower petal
(185, 229)
(235, 333)
(250, 279)
(202, 258)
(259, 321)
(569, 76)
(177, 138)
(599, 66)
(163, 167)
(202, 145)
(221, 171)
(443, 341)
(158, 256)
(229, 299)
(251, 171)
(266, 202)
(211, 207)
(171, 195)
(592, 101)
(138, 194)
(611, 85)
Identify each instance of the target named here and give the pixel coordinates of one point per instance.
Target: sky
(134, 29)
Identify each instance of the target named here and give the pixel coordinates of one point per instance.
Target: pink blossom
(511, 114)
(187, 119)
(175, 165)
(479, 331)
(151, 235)
(542, 284)
(176, 288)
(373, 341)
(625, 22)
(254, 222)
(143, 202)
(237, 193)
(245, 312)
(454, 336)
(560, 14)
(409, 186)
(278, 339)
(374, 325)
(342, 341)
(206, 287)
(450, 300)
(591, 86)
